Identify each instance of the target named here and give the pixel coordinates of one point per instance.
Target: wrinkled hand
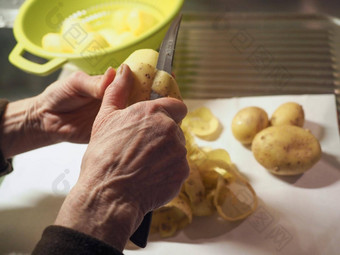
(135, 162)
(65, 111)
(67, 108)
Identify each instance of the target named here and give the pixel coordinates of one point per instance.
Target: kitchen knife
(167, 50)
(165, 60)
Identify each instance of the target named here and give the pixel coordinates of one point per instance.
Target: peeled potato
(288, 114)
(110, 35)
(119, 20)
(117, 28)
(248, 122)
(124, 38)
(52, 42)
(75, 25)
(93, 42)
(139, 21)
(286, 150)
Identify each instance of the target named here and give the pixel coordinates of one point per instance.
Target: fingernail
(107, 70)
(120, 69)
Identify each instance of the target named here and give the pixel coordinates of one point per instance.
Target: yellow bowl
(38, 17)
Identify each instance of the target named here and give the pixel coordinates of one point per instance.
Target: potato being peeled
(147, 79)
(286, 150)
(288, 114)
(248, 122)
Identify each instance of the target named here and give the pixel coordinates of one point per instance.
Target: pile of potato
(280, 144)
(94, 32)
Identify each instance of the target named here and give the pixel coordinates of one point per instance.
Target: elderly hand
(68, 108)
(135, 162)
(65, 111)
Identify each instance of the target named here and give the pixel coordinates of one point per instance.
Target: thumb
(91, 86)
(117, 93)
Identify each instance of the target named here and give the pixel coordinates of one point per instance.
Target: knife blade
(167, 50)
(164, 62)
(168, 46)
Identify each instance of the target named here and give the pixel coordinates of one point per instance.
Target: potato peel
(214, 183)
(203, 124)
(234, 201)
(173, 216)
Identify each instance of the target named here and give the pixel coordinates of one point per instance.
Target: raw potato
(288, 114)
(248, 122)
(148, 79)
(286, 150)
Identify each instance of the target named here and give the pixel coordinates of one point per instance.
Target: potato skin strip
(214, 183)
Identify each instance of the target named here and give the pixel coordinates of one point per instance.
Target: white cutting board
(296, 215)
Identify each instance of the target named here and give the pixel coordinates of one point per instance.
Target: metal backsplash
(230, 55)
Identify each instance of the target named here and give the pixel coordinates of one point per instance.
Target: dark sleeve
(57, 240)
(5, 165)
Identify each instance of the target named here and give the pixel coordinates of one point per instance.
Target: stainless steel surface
(326, 7)
(8, 12)
(301, 47)
(249, 54)
(15, 83)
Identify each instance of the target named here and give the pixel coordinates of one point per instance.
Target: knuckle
(153, 108)
(77, 76)
(171, 127)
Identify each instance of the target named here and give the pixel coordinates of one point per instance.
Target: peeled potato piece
(119, 20)
(110, 35)
(93, 42)
(139, 21)
(54, 42)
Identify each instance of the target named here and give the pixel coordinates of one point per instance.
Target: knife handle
(140, 236)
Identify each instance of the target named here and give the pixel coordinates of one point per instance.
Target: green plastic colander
(38, 17)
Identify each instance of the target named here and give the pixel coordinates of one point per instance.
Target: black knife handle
(165, 59)
(140, 237)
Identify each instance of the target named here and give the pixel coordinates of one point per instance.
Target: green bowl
(38, 17)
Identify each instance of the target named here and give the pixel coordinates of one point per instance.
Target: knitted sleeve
(5, 165)
(58, 240)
